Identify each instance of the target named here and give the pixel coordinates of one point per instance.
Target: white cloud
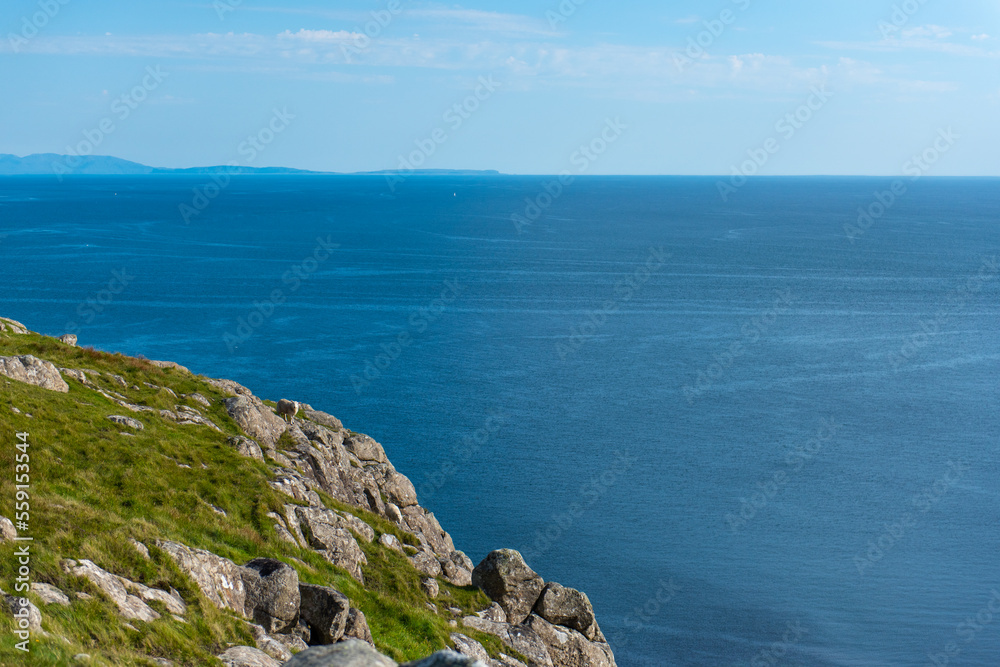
(321, 35)
(980, 38)
(931, 31)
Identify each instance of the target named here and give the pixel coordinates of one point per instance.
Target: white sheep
(288, 409)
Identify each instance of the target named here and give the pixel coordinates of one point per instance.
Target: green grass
(93, 488)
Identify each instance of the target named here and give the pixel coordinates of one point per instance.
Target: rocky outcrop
(351, 653)
(12, 326)
(27, 616)
(246, 447)
(68, 339)
(471, 648)
(506, 578)
(117, 589)
(127, 422)
(329, 533)
(357, 626)
(568, 648)
(34, 371)
(49, 594)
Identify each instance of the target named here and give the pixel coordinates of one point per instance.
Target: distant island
(48, 164)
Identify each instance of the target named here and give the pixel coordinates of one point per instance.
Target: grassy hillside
(96, 484)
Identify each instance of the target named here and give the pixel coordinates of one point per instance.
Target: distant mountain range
(43, 164)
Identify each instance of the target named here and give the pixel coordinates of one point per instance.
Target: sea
(756, 425)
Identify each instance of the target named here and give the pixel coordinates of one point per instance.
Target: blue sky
(363, 94)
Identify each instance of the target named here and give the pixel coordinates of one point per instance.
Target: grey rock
(359, 527)
(521, 638)
(75, 374)
(272, 594)
(395, 485)
(50, 594)
(431, 587)
(7, 530)
(198, 398)
(447, 658)
(134, 424)
(329, 533)
(169, 364)
(426, 563)
(270, 645)
(246, 447)
(129, 606)
(425, 526)
(325, 611)
(68, 339)
(349, 653)
(321, 417)
(357, 626)
(365, 448)
(387, 540)
(173, 602)
(219, 579)
(117, 379)
(506, 579)
(13, 326)
(255, 418)
(493, 613)
(457, 569)
(34, 371)
(473, 649)
(245, 656)
(141, 548)
(16, 605)
(569, 648)
(570, 608)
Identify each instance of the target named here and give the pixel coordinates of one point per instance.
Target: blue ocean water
(749, 438)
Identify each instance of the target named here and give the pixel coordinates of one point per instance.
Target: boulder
(430, 587)
(255, 418)
(569, 648)
(272, 594)
(244, 656)
(570, 608)
(128, 422)
(219, 579)
(13, 326)
(68, 339)
(172, 601)
(33, 371)
(473, 649)
(129, 606)
(169, 364)
(457, 569)
(446, 658)
(350, 653)
(396, 486)
(493, 613)
(15, 606)
(506, 579)
(75, 374)
(425, 526)
(325, 611)
(387, 540)
(246, 447)
(50, 594)
(426, 563)
(268, 644)
(357, 626)
(365, 448)
(7, 530)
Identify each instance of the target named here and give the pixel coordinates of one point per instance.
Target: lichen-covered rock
(49, 594)
(13, 326)
(321, 417)
(32, 370)
(506, 579)
(272, 594)
(473, 649)
(446, 658)
(68, 339)
(129, 606)
(246, 447)
(365, 448)
(426, 563)
(245, 656)
(329, 533)
(24, 612)
(128, 422)
(349, 653)
(570, 608)
(7, 530)
(325, 611)
(357, 626)
(521, 638)
(457, 569)
(219, 579)
(270, 645)
(569, 648)
(256, 419)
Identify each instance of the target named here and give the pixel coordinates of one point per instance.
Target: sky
(628, 87)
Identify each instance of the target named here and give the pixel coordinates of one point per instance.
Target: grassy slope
(93, 488)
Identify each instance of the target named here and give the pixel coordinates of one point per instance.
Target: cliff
(155, 517)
